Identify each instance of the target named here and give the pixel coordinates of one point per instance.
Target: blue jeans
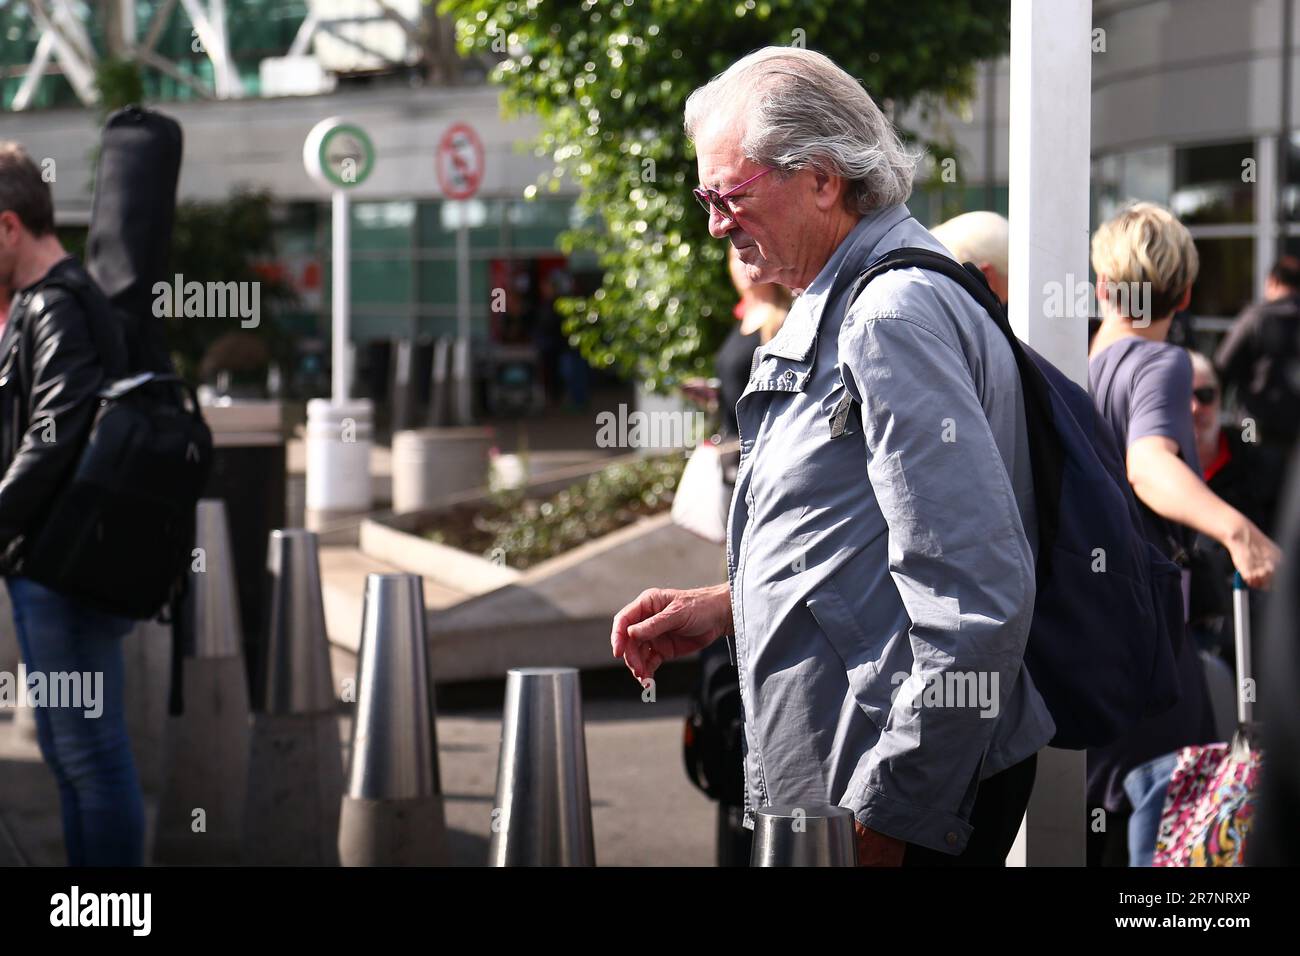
(99, 788)
(1146, 786)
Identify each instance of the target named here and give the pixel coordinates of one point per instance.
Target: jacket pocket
(875, 665)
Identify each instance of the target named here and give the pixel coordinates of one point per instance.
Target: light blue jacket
(880, 551)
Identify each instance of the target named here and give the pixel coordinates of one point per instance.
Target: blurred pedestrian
(1259, 361)
(1275, 840)
(54, 364)
(1238, 472)
(1145, 263)
(982, 238)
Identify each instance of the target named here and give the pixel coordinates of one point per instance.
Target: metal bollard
(392, 813)
(200, 812)
(542, 814)
(804, 836)
(295, 775)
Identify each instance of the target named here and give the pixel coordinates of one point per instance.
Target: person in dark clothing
(1142, 386)
(1244, 476)
(1259, 360)
(1275, 839)
(56, 357)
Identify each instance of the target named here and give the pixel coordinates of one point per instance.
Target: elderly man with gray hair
(881, 541)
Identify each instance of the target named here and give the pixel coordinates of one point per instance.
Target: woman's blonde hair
(1145, 244)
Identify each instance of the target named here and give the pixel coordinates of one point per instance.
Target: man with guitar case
(103, 460)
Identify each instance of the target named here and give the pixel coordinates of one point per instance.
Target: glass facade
(256, 29)
(1213, 189)
(404, 268)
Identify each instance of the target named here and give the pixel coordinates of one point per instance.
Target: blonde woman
(1146, 262)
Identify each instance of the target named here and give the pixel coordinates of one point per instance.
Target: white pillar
(341, 267)
(1051, 108)
(339, 431)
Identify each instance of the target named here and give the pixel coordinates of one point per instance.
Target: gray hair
(802, 111)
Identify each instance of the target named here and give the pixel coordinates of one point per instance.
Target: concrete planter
(555, 614)
(431, 463)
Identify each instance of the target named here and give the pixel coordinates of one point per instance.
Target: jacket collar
(799, 331)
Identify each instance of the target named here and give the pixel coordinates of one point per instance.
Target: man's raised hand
(664, 623)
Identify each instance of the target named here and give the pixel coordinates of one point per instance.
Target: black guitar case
(131, 220)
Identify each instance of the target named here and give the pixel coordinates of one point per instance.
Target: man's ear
(1184, 301)
(829, 189)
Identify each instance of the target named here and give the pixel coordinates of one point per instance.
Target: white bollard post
(339, 439)
(1051, 106)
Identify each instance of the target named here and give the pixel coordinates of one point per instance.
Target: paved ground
(644, 810)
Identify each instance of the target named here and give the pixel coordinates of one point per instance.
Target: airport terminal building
(1194, 105)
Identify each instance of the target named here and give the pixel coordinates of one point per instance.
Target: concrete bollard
(295, 772)
(440, 384)
(200, 813)
(542, 813)
(392, 813)
(147, 658)
(804, 836)
(431, 463)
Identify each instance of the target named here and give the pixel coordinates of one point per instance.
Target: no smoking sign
(460, 162)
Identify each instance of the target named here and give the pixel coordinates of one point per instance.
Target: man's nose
(719, 225)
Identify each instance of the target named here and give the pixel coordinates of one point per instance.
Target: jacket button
(951, 839)
(788, 376)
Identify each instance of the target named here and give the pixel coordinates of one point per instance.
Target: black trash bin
(248, 474)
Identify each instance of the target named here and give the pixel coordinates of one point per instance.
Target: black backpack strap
(1046, 454)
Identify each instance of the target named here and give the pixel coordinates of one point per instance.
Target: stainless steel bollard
(542, 813)
(298, 677)
(392, 813)
(213, 601)
(804, 836)
(206, 767)
(295, 776)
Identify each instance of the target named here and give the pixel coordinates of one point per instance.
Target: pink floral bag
(1210, 803)
(1209, 806)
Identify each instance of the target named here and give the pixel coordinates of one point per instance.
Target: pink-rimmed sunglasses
(711, 199)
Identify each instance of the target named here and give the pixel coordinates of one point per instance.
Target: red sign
(460, 162)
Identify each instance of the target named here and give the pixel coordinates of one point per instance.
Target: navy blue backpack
(1101, 644)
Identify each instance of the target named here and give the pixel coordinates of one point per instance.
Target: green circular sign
(346, 155)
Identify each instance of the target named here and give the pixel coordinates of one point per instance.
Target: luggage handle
(1241, 637)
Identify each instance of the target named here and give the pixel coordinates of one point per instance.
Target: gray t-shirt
(1144, 388)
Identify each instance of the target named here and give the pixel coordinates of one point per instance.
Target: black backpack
(119, 533)
(1102, 643)
(712, 737)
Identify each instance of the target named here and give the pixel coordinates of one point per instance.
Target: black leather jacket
(57, 350)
